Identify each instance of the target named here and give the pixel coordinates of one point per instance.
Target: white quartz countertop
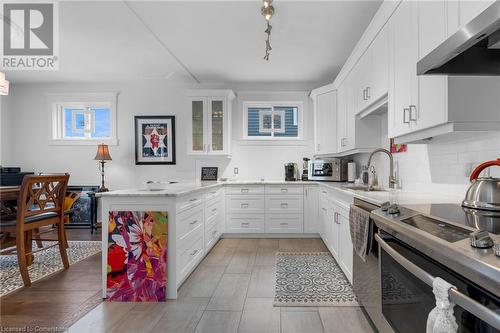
(399, 196)
(375, 197)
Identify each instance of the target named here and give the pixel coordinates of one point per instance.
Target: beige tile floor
(232, 290)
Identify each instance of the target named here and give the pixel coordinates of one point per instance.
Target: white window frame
(84, 101)
(271, 105)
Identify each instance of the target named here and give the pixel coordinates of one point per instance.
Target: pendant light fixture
(267, 11)
(4, 85)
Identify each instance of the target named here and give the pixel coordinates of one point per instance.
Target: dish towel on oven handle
(441, 319)
(359, 225)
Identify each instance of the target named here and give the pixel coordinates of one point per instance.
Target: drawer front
(253, 204)
(212, 208)
(212, 235)
(240, 223)
(284, 223)
(245, 189)
(188, 221)
(215, 193)
(284, 189)
(211, 220)
(189, 257)
(188, 201)
(285, 204)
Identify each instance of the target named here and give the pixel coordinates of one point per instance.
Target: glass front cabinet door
(210, 114)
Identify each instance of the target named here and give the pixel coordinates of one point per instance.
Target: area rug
(311, 279)
(45, 263)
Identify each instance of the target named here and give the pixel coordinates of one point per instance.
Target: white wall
(25, 132)
(442, 166)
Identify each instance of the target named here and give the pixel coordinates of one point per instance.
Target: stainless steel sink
(364, 188)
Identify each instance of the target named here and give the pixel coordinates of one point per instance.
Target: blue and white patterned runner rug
(311, 279)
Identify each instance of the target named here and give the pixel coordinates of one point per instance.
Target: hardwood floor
(231, 291)
(58, 300)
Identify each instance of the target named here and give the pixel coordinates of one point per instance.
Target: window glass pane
(102, 128)
(217, 126)
(197, 125)
(79, 121)
(254, 121)
(72, 130)
(267, 119)
(291, 121)
(87, 123)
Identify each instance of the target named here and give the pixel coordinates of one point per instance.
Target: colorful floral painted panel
(137, 256)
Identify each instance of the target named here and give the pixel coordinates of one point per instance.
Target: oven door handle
(477, 309)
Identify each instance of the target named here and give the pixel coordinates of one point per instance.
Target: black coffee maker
(291, 172)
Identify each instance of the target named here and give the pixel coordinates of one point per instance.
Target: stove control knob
(393, 209)
(481, 239)
(385, 206)
(496, 249)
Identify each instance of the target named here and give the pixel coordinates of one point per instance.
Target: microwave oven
(333, 170)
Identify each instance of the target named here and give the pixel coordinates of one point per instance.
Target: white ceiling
(206, 41)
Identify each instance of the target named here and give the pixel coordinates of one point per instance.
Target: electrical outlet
(235, 171)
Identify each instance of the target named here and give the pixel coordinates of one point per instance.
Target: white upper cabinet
(325, 117)
(354, 134)
(372, 73)
(432, 89)
(210, 117)
(403, 39)
(426, 106)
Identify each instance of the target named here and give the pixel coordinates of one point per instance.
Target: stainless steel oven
(407, 298)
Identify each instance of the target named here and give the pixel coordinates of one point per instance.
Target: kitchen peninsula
(198, 215)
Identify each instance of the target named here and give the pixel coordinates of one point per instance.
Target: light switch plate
(235, 171)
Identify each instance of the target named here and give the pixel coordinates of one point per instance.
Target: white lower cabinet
(335, 231)
(311, 209)
(265, 209)
(344, 245)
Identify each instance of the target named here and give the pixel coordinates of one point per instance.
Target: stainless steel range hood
(473, 50)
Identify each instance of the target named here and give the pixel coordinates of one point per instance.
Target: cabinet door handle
(405, 111)
(244, 190)
(194, 222)
(412, 108)
(244, 205)
(193, 253)
(214, 209)
(368, 93)
(364, 94)
(284, 190)
(284, 205)
(284, 223)
(193, 200)
(214, 232)
(318, 149)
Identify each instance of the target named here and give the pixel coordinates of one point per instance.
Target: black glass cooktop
(438, 228)
(472, 218)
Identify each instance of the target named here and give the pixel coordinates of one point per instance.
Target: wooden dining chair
(40, 203)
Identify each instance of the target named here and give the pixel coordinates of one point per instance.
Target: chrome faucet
(392, 179)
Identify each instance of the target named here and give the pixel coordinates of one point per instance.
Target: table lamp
(102, 156)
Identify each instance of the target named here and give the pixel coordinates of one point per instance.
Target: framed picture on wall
(154, 139)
